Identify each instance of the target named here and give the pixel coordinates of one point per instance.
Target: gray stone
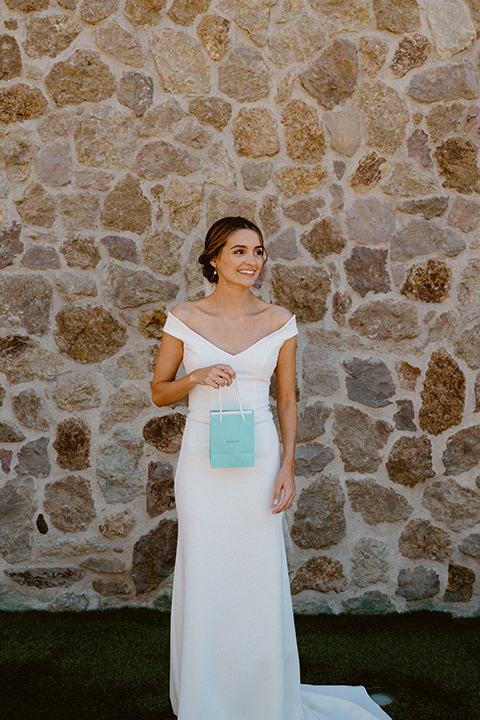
(410, 461)
(73, 286)
(130, 366)
(17, 509)
(112, 589)
(321, 574)
(369, 382)
(389, 320)
(123, 406)
(446, 82)
(359, 439)
(468, 347)
(461, 583)
(105, 137)
(332, 78)
(121, 248)
(303, 289)
(160, 489)
(283, 246)
(41, 257)
(184, 200)
(305, 210)
(25, 301)
(443, 394)
(418, 583)
(46, 577)
(33, 459)
(471, 546)
(9, 433)
(68, 546)
(157, 159)
(154, 556)
(243, 75)
(421, 237)
(372, 602)
(366, 270)
(10, 244)
(22, 360)
(445, 120)
(69, 602)
(404, 418)
(313, 458)
(319, 518)
(72, 444)
(421, 540)
(5, 460)
(464, 215)
(311, 421)
(345, 130)
(110, 565)
(135, 90)
(54, 164)
(469, 290)
(406, 179)
(427, 208)
(455, 506)
(69, 503)
(77, 392)
(417, 146)
(370, 562)
(119, 475)
(451, 25)
(29, 409)
(132, 288)
(370, 222)
(463, 451)
(320, 371)
(377, 503)
(165, 433)
(256, 174)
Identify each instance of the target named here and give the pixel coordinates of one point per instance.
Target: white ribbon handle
(237, 392)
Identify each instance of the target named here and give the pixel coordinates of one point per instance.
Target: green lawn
(113, 664)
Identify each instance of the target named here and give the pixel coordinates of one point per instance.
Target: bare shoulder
(279, 316)
(185, 311)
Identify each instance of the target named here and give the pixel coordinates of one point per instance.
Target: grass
(112, 664)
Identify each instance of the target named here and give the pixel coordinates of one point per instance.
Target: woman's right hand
(214, 375)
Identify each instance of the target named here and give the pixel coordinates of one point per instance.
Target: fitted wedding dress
(233, 646)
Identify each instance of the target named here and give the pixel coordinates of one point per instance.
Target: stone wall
(349, 129)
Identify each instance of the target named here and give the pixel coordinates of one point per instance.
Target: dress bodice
(254, 367)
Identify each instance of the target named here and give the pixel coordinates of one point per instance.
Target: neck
(232, 299)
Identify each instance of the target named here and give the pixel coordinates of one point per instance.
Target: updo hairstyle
(216, 238)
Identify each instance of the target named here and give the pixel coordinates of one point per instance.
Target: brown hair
(216, 238)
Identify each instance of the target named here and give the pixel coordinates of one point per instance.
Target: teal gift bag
(232, 436)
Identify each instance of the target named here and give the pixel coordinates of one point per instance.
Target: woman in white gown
(233, 647)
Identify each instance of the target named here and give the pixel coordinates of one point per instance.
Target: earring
(214, 273)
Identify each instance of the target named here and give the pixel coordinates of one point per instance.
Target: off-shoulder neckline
(226, 351)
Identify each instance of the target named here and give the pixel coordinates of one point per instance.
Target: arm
(287, 414)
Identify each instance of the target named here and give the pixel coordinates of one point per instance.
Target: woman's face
(241, 258)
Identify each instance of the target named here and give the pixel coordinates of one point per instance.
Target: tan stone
(37, 207)
(464, 214)
(16, 155)
(469, 290)
(443, 394)
(69, 503)
(429, 282)
(296, 41)
(304, 137)
(340, 15)
(303, 289)
(428, 208)
(119, 524)
(123, 406)
(161, 251)
(397, 15)
(370, 562)
(421, 540)
(217, 167)
(143, 12)
(410, 461)
(129, 366)
(94, 179)
(359, 439)
(444, 120)
(105, 137)
(128, 288)
(370, 170)
(89, 334)
(474, 6)
(405, 179)
(324, 238)
(180, 62)
(165, 433)
(191, 133)
(223, 204)
(30, 409)
(81, 252)
(21, 102)
(81, 78)
(161, 119)
(135, 90)
(386, 116)
(332, 78)
(285, 87)
(22, 360)
(255, 133)
(467, 347)
(451, 25)
(93, 11)
(411, 52)
(126, 208)
(48, 36)
(77, 392)
(27, 5)
(211, 111)
(457, 162)
(115, 40)
(151, 323)
(184, 12)
(185, 204)
(54, 164)
(243, 75)
(213, 33)
(157, 159)
(407, 375)
(79, 210)
(461, 584)
(250, 15)
(321, 574)
(456, 506)
(373, 53)
(446, 82)
(386, 320)
(10, 58)
(370, 222)
(418, 148)
(345, 129)
(366, 270)
(269, 216)
(55, 125)
(299, 180)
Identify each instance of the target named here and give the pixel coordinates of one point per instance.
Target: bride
(233, 647)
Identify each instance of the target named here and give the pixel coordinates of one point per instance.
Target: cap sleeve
(290, 329)
(173, 326)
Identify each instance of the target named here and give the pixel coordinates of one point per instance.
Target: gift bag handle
(237, 392)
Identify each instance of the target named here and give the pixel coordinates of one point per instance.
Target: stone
(311, 459)
(154, 556)
(428, 283)
(151, 323)
(81, 252)
(191, 133)
(283, 245)
(117, 525)
(50, 35)
(184, 12)
(454, 505)
(69, 602)
(17, 153)
(422, 237)
(324, 238)
(303, 133)
(121, 248)
(17, 509)
(118, 472)
(41, 257)
(321, 574)
(22, 360)
(418, 583)
(269, 216)
(469, 290)
(123, 406)
(115, 40)
(462, 452)
(10, 243)
(79, 210)
(46, 577)
(474, 11)
(299, 180)
(255, 133)
(417, 146)
(10, 58)
(105, 137)
(285, 87)
(341, 303)
(303, 289)
(320, 371)
(359, 439)
(319, 518)
(443, 394)
(54, 164)
(5, 460)
(304, 211)
(160, 490)
(180, 62)
(467, 347)
(421, 540)
(135, 90)
(157, 159)
(342, 14)
(311, 421)
(88, 334)
(223, 204)
(213, 31)
(332, 78)
(55, 125)
(345, 130)
(256, 174)
(30, 409)
(36, 207)
(451, 26)
(464, 215)
(77, 392)
(404, 418)
(165, 432)
(372, 54)
(428, 208)
(93, 11)
(131, 366)
(184, 200)
(25, 301)
(72, 286)
(132, 288)
(65, 547)
(126, 208)
(81, 78)
(457, 163)
(398, 16)
(69, 503)
(412, 51)
(72, 444)
(453, 81)
(410, 461)
(370, 222)
(370, 170)
(477, 393)
(369, 382)
(371, 603)
(366, 270)
(370, 562)
(461, 583)
(143, 13)
(212, 111)
(377, 503)
(21, 102)
(388, 320)
(9, 433)
(471, 546)
(112, 589)
(103, 565)
(252, 17)
(444, 120)
(297, 40)
(386, 116)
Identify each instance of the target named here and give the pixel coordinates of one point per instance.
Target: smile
(247, 272)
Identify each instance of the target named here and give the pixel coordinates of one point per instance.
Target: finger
(284, 505)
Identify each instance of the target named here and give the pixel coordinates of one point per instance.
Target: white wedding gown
(233, 646)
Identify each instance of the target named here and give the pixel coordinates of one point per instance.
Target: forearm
(287, 415)
(169, 392)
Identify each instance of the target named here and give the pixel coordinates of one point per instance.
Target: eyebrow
(244, 246)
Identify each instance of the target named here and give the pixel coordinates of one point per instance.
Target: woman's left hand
(285, 481)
